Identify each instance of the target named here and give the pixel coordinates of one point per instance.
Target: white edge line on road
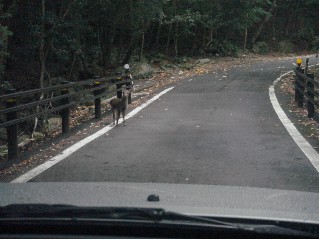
(303, 144)
(56, 159)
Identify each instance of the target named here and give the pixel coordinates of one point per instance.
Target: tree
(4, 38)
(265, 20)
(78, 38)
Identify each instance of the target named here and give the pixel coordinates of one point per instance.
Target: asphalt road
(216, 129)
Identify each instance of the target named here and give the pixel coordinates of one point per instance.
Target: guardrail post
(12, 131)
(306, 67)
(299, 95)
(297, 92)
(310, 104)
(119, 86)
(97, 101)
(65, 113)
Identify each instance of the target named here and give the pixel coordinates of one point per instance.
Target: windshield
(180, 93)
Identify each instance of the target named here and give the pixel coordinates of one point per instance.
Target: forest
(76, 39)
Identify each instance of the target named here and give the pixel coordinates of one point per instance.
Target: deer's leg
(123, 116)
(114, 117)
(118, 116)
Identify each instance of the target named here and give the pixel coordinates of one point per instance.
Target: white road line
(303, 144)
(56, 159)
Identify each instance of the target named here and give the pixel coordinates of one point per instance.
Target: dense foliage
(43, 39)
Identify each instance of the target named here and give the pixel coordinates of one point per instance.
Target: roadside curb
(303, 144)
(67, 152)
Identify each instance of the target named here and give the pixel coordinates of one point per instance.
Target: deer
(119, 106)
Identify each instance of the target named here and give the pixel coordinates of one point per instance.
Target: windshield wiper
(120, 213)
(155, 215)
(70, 211)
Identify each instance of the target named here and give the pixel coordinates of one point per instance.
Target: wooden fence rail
(62, 97)
(307, 90)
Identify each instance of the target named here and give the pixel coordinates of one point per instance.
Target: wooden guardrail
(63, 100)
(306, 88)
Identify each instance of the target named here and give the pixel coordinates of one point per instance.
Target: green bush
(285, 46)
(224, 48)
(315, 44)
(4, 86)
(260, 48)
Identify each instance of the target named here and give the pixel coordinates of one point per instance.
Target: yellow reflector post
(299, 61)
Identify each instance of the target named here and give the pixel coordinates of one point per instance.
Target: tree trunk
(273, 32)
(265, 20)
(42, 57)
(131, 48)
(176, 36)
(169, 38)
(120, 45)
(157, 41)
(245, 35)
(194, 45)
(245, 39)
(287, 24)
(84, 65)
(110, 46)
(174, 6)
(142, 46)
(101, 43)
(41, 48)
(72, 65)
(204, 38)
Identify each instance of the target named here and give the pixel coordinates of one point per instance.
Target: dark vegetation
(41, 40)
(45, 41)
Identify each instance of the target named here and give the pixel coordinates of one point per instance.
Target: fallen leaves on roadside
(310, 126)
(83, 114)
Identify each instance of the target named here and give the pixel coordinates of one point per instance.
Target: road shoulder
(308, 128)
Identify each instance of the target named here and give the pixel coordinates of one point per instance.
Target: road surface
(215, 129)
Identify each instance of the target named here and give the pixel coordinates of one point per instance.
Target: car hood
(200, 200)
